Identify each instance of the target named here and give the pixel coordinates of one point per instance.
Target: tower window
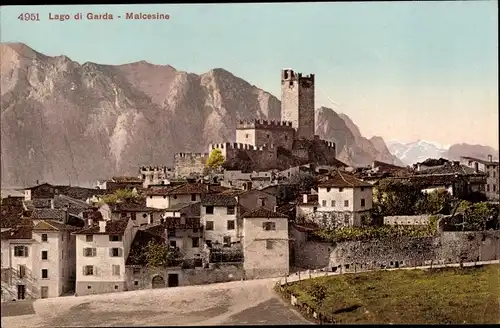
(268, 136)
(246, 136)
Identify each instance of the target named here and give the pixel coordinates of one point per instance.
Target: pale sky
(400, 70)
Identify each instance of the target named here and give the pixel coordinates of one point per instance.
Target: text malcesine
(144, 16)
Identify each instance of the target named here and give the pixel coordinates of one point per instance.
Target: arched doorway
(158, 282)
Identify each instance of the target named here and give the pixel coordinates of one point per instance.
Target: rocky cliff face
(69, 123)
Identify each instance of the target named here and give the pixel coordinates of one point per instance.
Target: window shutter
(110, 252)
(83, 271)
(26, 251)
(94, 251)
(120, 252)
(94, 268)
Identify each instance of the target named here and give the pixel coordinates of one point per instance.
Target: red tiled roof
(19, 232)
(218, 200)
(113, 227)
(262, 212)
(340, 179)
(160, 191)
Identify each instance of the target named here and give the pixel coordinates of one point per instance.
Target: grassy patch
(450, 295)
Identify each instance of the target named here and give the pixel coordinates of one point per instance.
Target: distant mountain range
(66, 122)
(418, 151)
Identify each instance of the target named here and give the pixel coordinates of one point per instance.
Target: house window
(193, 197)
(269, 244)
(115, 252)
(62, 254)
(227, 241)
(328, 189)
(494, 188)
(362, 188)
(45, 274)
(333, 203)
(62, 237)
(323, 203)
(116, 270)
(196, 242)
(21, 251)
(230, 224)
(262, 201)
(230, 210)
(173, 243)
(286, 137)
(246, 135)
(341, 189)
(362, 202)
(315, 209)
(346, 203)
(89, 238)
(209, 225)
(487, 188)
(208, 243)
(267, 136)
(44, 255)
(44, 237)
(22, 271)
(488, 174)
(209, 210)
(268, 226)
(115, 238)
(136, 283)
(88, 270)
(89, 252)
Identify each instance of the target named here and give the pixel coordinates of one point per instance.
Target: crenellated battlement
(290, 75)
(263, 124)
(242, 146)
(155, 168)
(328, 144)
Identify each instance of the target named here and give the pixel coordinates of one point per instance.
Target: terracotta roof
(218, 200)
(160, 191)
(19, 232)
(262, 212)
(449, 168)
(80, 193)
(340, 179)
(482, 161)
(51, 225)
(37, 203)
(175, 223)
(191, 188)
(132, 207)
(386, 166)
(48, 213)
(286, 208)
(113, 227)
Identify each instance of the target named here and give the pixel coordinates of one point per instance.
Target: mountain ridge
(70, 123)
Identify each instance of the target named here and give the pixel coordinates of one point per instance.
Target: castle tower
(297, 102)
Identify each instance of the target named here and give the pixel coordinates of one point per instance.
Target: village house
(137, 212)
(266, 245)
(38, 260)
(155, 175)
(219, 217)
(343, 200)
(101, 250)
(491, 169)
(459, 180)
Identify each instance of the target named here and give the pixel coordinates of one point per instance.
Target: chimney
(490, 158)
(52, 204)
(304, 198)
(102, 226)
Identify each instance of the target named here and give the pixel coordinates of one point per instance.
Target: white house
(101, 250)
(491, 168)
(219, 218)
(265, 246)
(18, 279)
(54, 258)
(346, 197)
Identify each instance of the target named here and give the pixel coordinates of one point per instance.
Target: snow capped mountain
(418, 151)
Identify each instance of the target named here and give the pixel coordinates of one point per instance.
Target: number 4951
(29, 17)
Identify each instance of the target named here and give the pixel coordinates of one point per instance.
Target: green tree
(215, 159)
(119, 195)
(437, 201)
(319, 292)
(396, 198)
(158, 255)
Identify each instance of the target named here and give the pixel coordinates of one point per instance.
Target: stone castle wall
(447, 247)
(260, 132)
(265, 157)
(186, 164)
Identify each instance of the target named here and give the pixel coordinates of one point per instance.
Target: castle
(263, 145)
